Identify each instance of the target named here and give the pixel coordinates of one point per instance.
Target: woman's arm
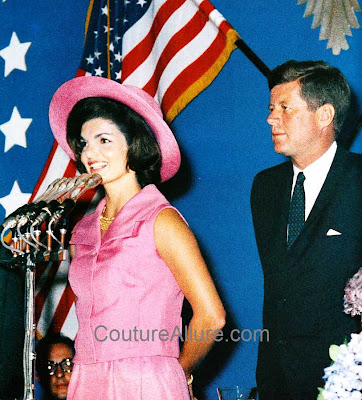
(177, 246)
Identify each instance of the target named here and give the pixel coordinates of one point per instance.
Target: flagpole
(241, 45)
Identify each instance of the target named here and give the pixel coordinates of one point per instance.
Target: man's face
(59, 381)
(295, 130)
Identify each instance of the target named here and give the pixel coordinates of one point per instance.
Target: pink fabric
(140, 378)
(121, 284)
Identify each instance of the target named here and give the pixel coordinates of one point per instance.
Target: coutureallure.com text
(102, 333)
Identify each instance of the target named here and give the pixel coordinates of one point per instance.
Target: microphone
(31, 213)
(12, 219)
(49, 189)
(64, 209)
(48, 206)
(28, 210)
(93, 181)
(78, 181)
(45, 213)
(62, 188)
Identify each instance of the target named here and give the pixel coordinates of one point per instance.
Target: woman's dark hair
(320, 83)
(42, 353)
(144, 156)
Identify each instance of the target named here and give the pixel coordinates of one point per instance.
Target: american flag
(173, 49)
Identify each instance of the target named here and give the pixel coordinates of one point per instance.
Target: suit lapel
(335, 175)
(281, 198)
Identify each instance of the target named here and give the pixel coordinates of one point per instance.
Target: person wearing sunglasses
(54, 365)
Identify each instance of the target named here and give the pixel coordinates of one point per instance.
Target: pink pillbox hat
(138, 100)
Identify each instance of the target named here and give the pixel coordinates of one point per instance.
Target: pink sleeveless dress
(128, 308)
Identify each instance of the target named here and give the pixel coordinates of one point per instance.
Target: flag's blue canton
(123, 14)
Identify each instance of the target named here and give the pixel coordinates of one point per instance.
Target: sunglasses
(66, 365)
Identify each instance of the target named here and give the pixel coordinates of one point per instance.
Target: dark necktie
(296, 210)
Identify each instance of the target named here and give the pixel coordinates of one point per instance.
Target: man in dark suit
(307, 216)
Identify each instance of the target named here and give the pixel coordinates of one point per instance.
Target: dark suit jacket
(304, 287)
(11, 329)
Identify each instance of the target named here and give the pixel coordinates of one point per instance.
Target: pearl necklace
(105, 221)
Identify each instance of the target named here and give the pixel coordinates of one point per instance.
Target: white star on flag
(90, 59)
(141, 2)
(104, 10)
(14, 55)
(15, 199)
(99, 71)
(15, 130)
(118, 75)
(106, 29)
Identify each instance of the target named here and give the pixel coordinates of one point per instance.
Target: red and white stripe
(172, 47)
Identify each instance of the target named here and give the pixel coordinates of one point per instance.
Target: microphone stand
(29, 340)
(69, 191)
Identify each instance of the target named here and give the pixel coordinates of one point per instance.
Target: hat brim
(80, 88)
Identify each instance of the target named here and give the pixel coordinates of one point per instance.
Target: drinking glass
(234, 393)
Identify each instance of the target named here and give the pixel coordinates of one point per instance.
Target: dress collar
(126, 222)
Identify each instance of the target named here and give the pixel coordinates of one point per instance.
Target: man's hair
(319, 82)
(42, 353)
(144, 156)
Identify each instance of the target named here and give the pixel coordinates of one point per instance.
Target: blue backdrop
(223, 135)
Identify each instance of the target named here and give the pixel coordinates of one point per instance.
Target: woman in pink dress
(134, 258)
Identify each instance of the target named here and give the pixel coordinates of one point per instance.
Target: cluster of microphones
(32, 226)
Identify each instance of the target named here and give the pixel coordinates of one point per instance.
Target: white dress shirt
(315, 175)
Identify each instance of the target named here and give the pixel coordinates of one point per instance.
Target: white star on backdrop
(142, 2)
(14, 55)
(15, 199)
(15, 130)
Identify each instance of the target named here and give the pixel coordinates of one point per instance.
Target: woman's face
(105, 149)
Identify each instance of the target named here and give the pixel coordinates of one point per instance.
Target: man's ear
(325, 115)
